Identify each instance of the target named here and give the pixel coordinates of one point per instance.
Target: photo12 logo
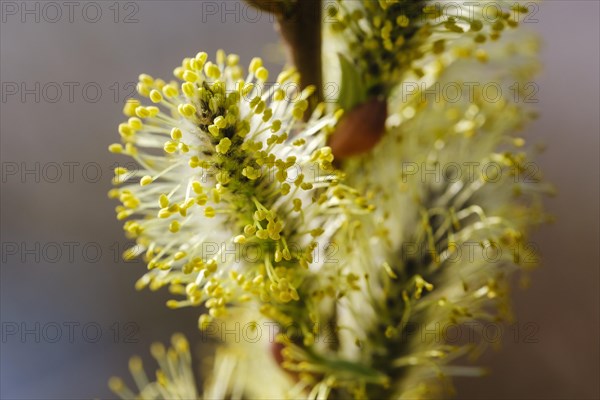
(52, 12)
(19, 253)
(89, 332)
(65, 92)
(454, 92)
(63, 172)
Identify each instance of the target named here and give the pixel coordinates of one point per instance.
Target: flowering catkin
(234, 192)
(427, 227)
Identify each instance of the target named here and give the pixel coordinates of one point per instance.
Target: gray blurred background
(56, 172)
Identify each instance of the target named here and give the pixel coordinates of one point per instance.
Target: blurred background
(70, 316)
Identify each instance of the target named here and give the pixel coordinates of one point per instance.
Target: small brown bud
(360, 129)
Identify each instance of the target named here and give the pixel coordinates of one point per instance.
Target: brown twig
(301, 30)
(299, 23)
